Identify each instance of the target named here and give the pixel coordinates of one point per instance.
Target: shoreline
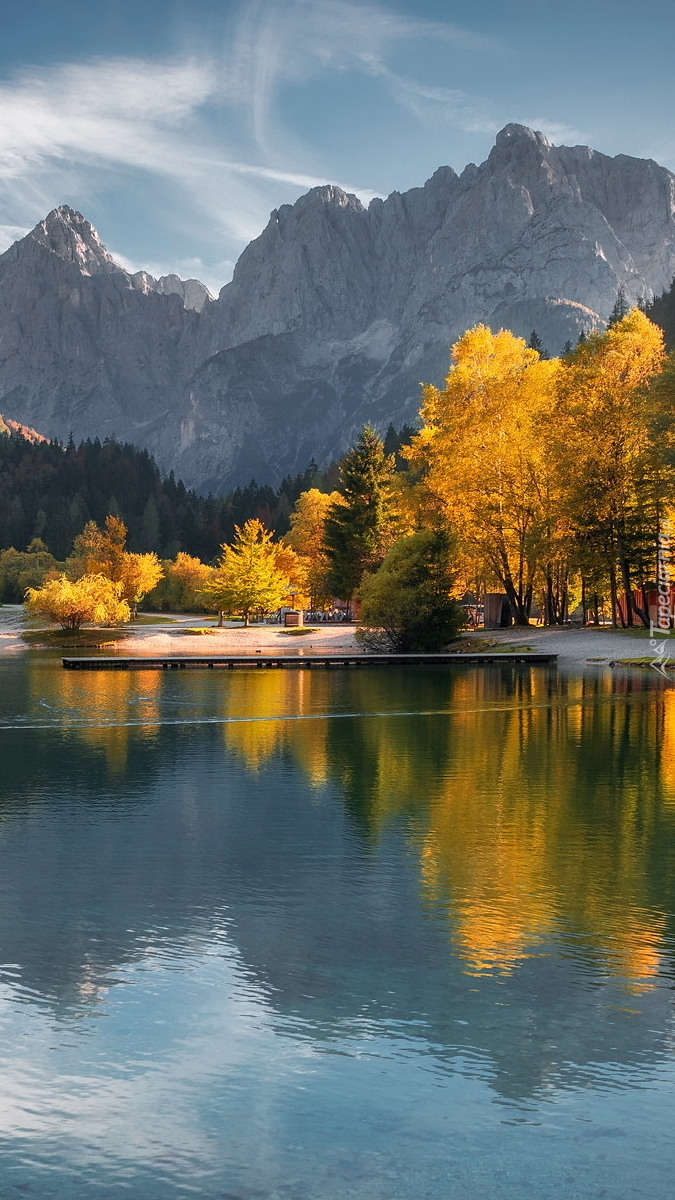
(579, 646)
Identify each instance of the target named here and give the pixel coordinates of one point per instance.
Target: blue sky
(176, 128)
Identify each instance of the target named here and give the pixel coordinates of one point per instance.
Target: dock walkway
(176, 662)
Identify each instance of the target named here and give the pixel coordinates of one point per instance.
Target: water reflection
(539, 806)
(491, 875)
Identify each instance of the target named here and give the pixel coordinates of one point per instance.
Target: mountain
(334, 314)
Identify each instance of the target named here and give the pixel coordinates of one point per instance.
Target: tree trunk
(583, 601)
(550, 619)
(220, 618)
(632, 605)
(613, 593)
(517, 606)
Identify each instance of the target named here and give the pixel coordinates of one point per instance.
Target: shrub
(406, 605)
(91, 599)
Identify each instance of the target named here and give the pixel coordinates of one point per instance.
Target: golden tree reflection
(535, 803)
(270, 712)
(105, 708)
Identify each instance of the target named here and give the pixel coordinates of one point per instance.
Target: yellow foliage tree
(180, 589)
(72, 603)
(482, 460)
(306, 538)
(247, 579)
(102, 552)
(611, 437)
(295, 570)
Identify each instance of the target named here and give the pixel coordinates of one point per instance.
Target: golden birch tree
(610, 440)
(481, 454)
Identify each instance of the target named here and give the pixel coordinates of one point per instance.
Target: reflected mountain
(483, 858)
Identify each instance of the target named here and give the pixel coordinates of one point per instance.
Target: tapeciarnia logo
(665, 616)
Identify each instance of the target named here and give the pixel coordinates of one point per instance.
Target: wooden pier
(195, 662)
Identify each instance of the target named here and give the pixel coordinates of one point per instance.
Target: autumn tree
(181, 588)
(295, 570)
(484, 471)
(91, 599)
(358, 527)
(306, 538)
(610, 439)
(102, 552)
(247, 579)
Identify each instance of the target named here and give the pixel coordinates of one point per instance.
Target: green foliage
(21, 570)
(356, 530)
(247, 580)
(51, 491)
(395, 440)
(661, 310)
(535, 343)
(406, 605)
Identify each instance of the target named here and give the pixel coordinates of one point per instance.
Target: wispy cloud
(277, 44)
(204, 126)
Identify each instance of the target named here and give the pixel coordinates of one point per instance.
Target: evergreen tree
(535, 343)
(621, 307)
(661, 310)
(356, 530)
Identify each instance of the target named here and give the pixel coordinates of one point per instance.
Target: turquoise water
(356, 934)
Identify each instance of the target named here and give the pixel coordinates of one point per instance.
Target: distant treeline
(50, 491)
(661, 310)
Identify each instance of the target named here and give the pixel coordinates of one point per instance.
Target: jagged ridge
(334, 314)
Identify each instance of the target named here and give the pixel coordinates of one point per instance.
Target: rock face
(334, 314)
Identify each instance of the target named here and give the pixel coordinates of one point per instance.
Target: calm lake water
(358, 935)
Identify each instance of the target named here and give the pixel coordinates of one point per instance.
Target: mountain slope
(334, 314)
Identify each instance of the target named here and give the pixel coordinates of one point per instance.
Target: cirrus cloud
(201, 131)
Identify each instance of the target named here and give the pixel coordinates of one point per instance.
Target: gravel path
(576, 645)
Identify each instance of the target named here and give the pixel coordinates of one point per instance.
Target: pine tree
(621, 307)
(357, 526)
(535, 343)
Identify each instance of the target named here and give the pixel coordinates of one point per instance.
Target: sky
(176, 128)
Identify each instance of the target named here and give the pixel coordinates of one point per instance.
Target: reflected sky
(370, 933)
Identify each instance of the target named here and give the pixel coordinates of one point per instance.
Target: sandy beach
(572, 645)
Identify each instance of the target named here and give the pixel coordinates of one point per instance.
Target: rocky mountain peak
(514, 134)
(328, 194)
(67, 234)
(334, 313)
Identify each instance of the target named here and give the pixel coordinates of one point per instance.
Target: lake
(363, 934)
